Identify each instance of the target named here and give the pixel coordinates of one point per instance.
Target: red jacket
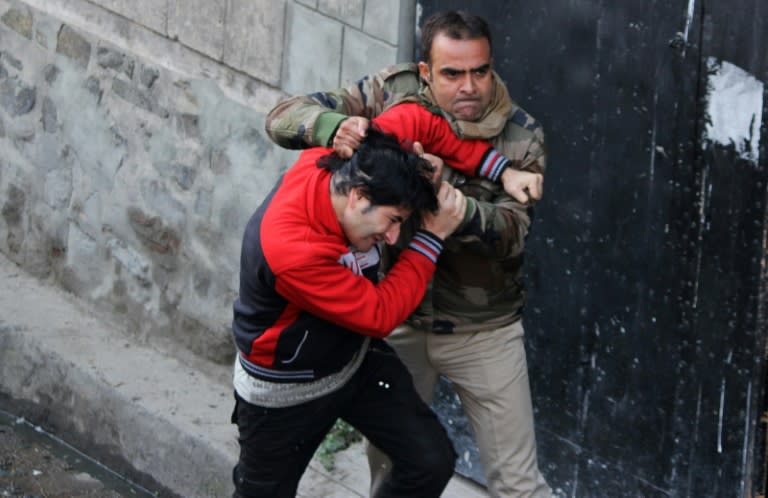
(412, 122)
(304, 304)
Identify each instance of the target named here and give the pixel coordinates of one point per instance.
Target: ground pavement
(158, 419)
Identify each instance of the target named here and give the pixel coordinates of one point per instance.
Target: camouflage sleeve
(495, 225)
(311, 120)
(535, 157)
(522, 142)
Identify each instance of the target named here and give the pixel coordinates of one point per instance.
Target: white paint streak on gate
(689, 19)
(734, 109)
(745, 452)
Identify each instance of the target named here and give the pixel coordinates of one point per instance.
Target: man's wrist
(427, 243)
(325, 128)
(508, 171)
(493, 165)
(469, 212)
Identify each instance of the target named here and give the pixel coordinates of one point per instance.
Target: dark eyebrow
(452, 71)
(456, 72)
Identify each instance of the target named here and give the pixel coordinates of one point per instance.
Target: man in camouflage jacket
(468, 327)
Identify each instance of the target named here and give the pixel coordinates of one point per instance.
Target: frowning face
(459, 75)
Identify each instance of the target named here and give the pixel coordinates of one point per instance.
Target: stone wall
(329, 43)
(132, 149)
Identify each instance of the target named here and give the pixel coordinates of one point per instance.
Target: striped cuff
(427, 244)
(492, 165)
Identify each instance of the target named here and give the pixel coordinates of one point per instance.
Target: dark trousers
(276, 444)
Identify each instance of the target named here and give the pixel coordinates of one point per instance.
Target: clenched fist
(451, 208)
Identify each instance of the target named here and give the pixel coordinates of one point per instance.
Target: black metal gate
(646, 323)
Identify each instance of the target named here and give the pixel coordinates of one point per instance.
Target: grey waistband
(281, 394)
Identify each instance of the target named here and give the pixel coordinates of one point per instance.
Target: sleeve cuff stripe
(493, 164)
(429, 240)
(426, 245)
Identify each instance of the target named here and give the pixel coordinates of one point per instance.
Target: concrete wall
(132, 149)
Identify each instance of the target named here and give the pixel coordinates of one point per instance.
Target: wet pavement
(36, 464)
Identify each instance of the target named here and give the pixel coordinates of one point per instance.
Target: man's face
(365, 225)
(460, 76)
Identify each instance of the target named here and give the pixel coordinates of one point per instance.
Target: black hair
(455, 24)
(384, 173)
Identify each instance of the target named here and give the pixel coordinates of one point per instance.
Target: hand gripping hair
(385, 173)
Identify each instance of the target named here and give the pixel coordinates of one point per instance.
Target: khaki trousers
(489, 373)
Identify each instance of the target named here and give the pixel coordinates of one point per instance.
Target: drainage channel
(36, 463)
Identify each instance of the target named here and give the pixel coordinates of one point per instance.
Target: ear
(424, 72)
(353, 197)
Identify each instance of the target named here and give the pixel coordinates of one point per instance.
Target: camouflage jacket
(477, 285)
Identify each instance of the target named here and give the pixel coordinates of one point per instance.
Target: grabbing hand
(451, 208)
(349, 134)
(435, 161)
(524, 186)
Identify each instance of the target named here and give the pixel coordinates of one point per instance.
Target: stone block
(363, 55)
(13, 208)
(188, 125)
(109, 58)
(50, 119)
(131, 94)
(163, 241)
(140, 99)
(20, 20)
(83, 269)
(73, 45)
(253, 39)
(12, 61)
(50, 73)
(150, 13)
(347, 11)
(220, 163)
(87, 208)
(57, 188)
(113, 59)
(160, 199)
(16, 97)
(148, 76)
(183, 175)
(382, 20)
(199, 24)
(130, 259)
(313, 57)
(93, 86)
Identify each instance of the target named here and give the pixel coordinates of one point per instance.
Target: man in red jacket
(311, 313)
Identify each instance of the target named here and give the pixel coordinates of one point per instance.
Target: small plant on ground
(338, 438)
